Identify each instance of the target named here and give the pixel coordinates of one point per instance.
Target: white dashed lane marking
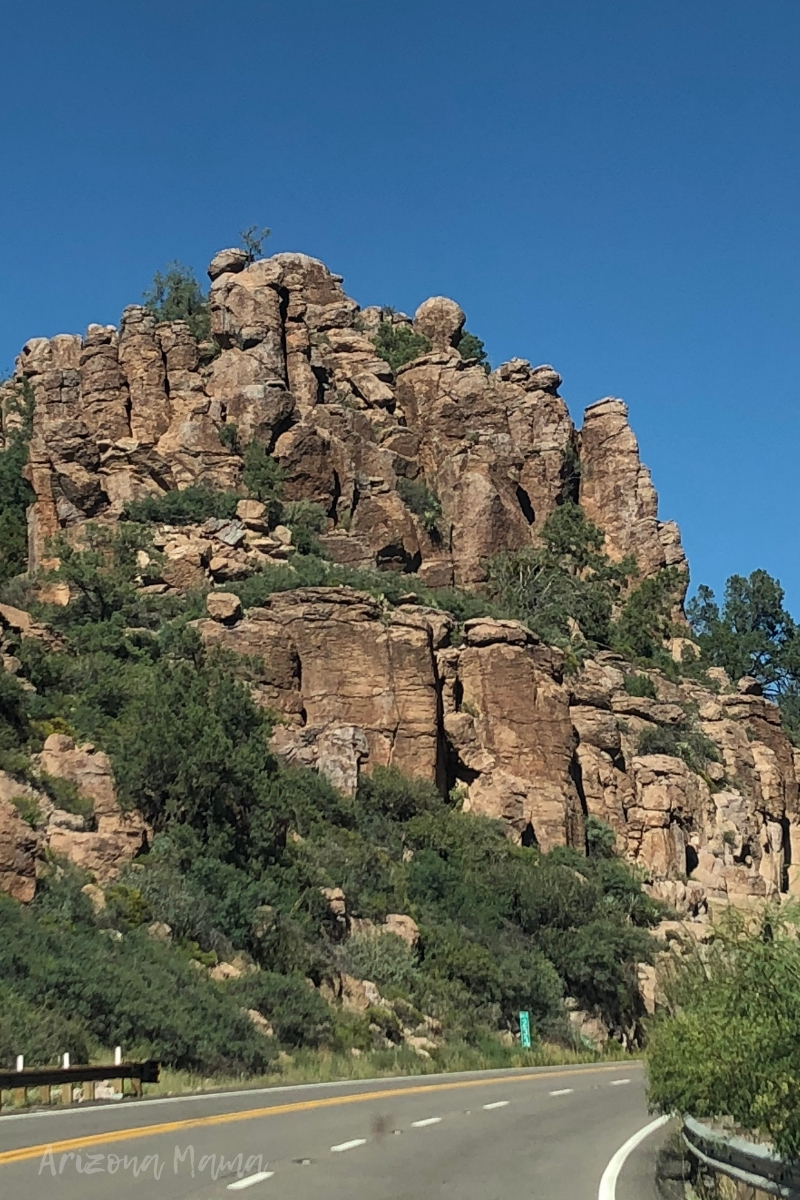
(427, 1121)
(618, 1082)
(562, 1092)
(249, 1180)
(349, 1145)
(497, 1104)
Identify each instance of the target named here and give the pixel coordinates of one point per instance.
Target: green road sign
(525, 1030)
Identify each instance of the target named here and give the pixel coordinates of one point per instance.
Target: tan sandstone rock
(224, 607)
(19, 846)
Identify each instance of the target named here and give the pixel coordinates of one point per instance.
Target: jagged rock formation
(496, 717)
(101, 842)
(120, 414)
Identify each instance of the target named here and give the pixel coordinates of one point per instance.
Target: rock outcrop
(124, 413)
(496, 718)
(100, 838)
(18, 849)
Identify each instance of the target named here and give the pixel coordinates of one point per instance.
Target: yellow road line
(25, 1153)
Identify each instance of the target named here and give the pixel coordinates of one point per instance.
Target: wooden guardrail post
(20, 1093)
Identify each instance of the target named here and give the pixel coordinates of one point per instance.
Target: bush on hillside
(298, 1014)
(416, 495)
(470, 346)
(133, 992)
(568, 581)
(187, 506)
(305, 519)
(209, 767)
(399, 344)
(646, 620)
(175, 295)
(253, 240)
(680, 741)
(263, 477)
(640, 685)
(382, 957)
(41, 1034)
(726, 1046)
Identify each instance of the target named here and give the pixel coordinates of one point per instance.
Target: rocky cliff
(496, 717)
(121, 414)
(484, 708)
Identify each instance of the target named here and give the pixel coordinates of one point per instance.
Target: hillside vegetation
(243, 847)
(726, 1042)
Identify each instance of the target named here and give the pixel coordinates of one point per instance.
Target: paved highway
(545, 1134)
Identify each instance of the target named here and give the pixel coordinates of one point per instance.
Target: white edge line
(349, 1145)
(249, 1180)
(562, 1091)
(608, 1183)
(497, 1104)
(427, 1121)
(497, 1073)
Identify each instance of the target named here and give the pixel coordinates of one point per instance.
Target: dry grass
(328, 1067)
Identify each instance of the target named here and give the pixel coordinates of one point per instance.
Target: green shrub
(305, 519)
(264, 477)
(132, 992)
(568, 581)
(600, 838)
(726, 1045)
(683, 741)
(188, 506)
(646, 620)
(382, 957)
(640, 685)
(126, 906)
(16, 730)
(175, 295)
(66, 795)
(28, 809)
(41, 1035)
(422, 502)
(470, 346)
(209, 768)
(296, 1011)
(253, 240)
(399, 344)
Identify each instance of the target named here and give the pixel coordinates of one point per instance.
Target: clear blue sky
(609, 187)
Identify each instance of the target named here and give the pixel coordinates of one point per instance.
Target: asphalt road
(546, 1134)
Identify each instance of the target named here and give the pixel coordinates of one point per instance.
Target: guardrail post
(118, 1084)
(19, 1094)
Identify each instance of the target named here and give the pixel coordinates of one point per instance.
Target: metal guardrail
(67, 1078)
(750, 1163)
